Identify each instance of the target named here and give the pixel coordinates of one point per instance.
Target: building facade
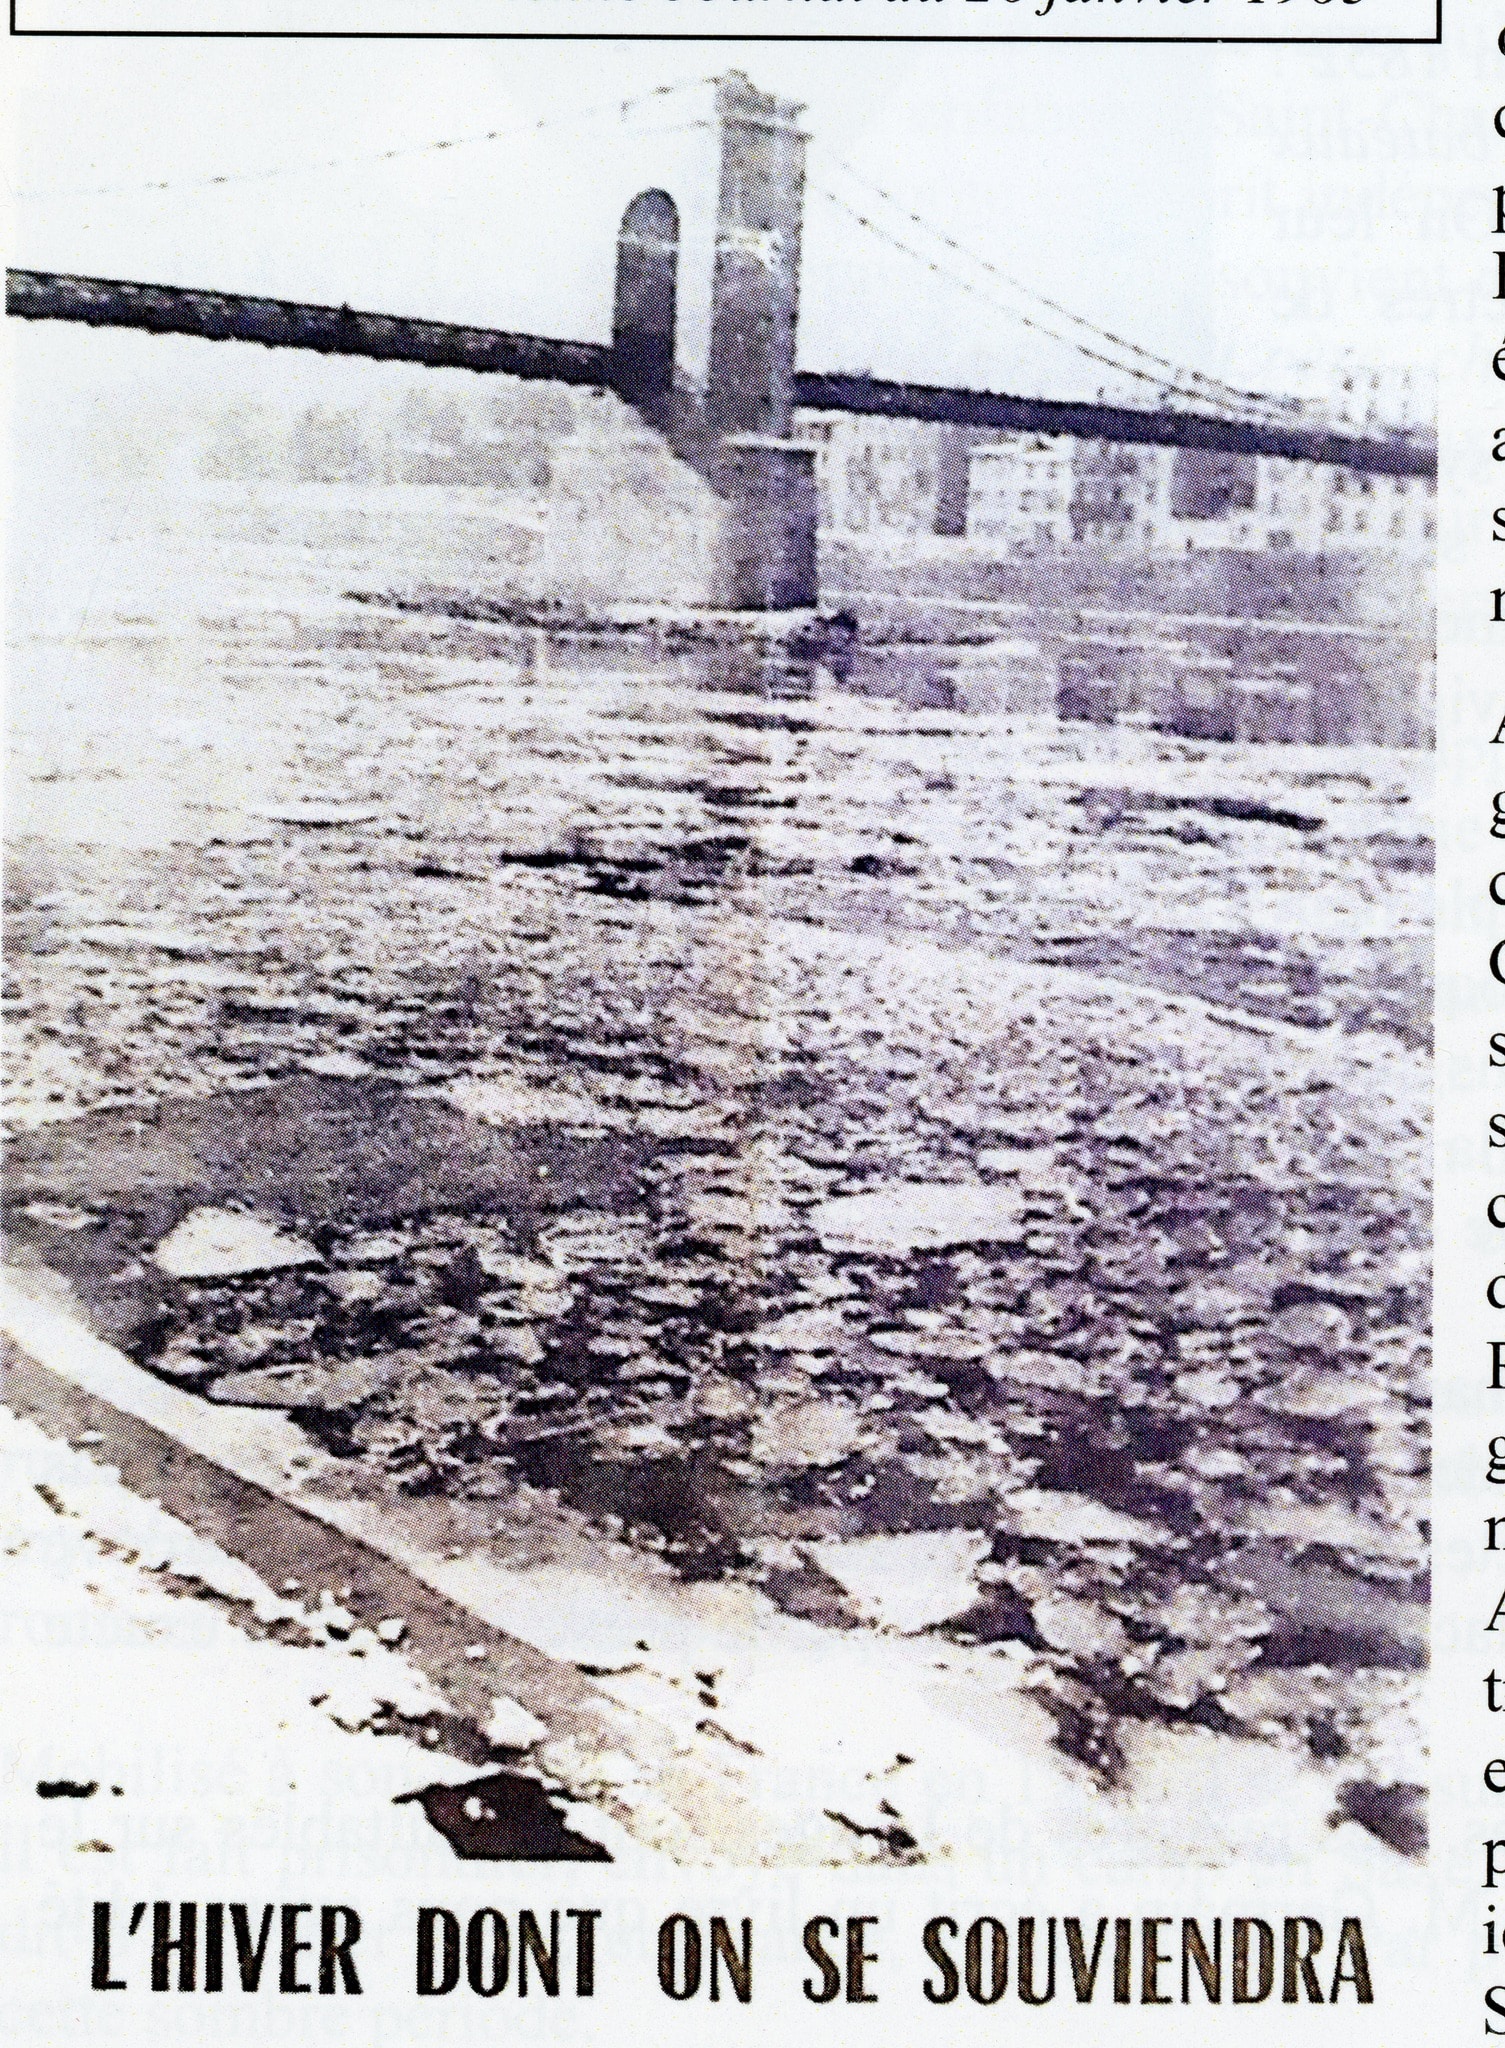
(1158, 501)
(1020, 489)
(874, 475)
(1028, 492)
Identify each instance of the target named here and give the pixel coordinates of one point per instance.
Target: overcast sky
(1236, 210)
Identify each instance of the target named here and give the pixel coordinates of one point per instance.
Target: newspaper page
(724, 764)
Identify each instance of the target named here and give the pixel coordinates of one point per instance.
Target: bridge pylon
(766, 477)
(739, 433)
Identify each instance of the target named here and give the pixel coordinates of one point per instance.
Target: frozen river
(944, 1173)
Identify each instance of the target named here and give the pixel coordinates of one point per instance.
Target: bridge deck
(284, 323)
(383, 337)
(1395, 456)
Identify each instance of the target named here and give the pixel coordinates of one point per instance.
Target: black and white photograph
(718, 966)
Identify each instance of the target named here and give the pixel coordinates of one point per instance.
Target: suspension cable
(577, 117)
(1194, 383)
(1165, 386)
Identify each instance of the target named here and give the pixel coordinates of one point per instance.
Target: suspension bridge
(738, 428)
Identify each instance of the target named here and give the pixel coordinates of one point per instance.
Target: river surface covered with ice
(946, 1172)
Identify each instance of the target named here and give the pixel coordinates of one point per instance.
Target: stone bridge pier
(738, 433)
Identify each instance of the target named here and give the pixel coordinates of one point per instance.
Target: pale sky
(1238, 210)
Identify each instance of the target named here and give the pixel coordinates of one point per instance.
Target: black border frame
(318, 35)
